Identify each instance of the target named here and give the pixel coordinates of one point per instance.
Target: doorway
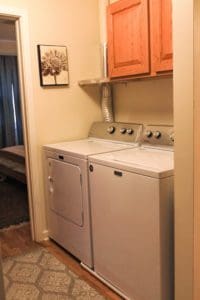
(14, 210)
(20, 19)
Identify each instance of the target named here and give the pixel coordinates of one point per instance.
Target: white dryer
(67, 183)
(132, 217)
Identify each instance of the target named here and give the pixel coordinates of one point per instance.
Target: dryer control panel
(116, 131)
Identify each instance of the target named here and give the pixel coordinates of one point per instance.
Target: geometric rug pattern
(38, 275)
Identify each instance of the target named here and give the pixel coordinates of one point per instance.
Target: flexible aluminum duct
(107, 103)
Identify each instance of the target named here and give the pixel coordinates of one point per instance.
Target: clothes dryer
(67, 183)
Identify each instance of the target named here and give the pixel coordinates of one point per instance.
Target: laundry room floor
(16, 242)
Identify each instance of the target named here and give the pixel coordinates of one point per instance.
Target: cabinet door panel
(128, 38)
(161, 35)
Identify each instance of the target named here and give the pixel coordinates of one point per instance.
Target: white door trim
(28, 116)
(196, 150)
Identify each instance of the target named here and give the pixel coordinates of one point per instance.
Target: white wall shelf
(100, 81)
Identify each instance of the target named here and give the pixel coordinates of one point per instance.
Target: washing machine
(132, 217)
(66, 178)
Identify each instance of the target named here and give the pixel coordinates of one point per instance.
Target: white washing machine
(67, 183)
(132, 217)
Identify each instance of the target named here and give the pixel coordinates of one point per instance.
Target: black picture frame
(53, 65)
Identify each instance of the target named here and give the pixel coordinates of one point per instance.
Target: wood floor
(17, 240)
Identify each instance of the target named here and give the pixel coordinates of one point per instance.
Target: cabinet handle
(118, 173)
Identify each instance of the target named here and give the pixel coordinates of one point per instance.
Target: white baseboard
(45, 235)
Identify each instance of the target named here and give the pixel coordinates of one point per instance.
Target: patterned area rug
(38, 275)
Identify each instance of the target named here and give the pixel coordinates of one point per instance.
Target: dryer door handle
(50, 179)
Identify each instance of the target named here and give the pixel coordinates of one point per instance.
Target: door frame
(20, 16)
(196, 150)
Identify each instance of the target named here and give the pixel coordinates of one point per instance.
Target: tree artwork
(53, 65)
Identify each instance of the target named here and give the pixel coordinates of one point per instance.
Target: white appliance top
(85, 147)
(103, 137)
(144, 160)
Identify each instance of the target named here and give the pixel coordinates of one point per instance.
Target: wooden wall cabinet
(139, 38)
(128, 38)
(161, 35)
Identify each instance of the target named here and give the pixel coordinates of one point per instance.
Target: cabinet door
(128, 38)
(161, 35)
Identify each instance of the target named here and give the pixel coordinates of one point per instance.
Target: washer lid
(85, 147)
(144, 161)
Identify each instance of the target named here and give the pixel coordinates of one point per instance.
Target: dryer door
(65, 190)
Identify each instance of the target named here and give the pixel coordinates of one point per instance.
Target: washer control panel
(158, 135)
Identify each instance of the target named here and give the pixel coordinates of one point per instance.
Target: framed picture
(53, 65)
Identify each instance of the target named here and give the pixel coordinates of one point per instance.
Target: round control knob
(129, 131)
(122, 130)
(148, 133)
(111, 129)
(157, 134)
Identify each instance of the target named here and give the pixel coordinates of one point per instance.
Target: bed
(12, 162)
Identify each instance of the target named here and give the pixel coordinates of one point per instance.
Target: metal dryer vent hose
(107, 103)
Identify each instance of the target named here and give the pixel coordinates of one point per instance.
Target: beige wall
(145, 101)
(68, 23)
(63, 112)
(68, 112)
(183, 121)
(196, 150)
